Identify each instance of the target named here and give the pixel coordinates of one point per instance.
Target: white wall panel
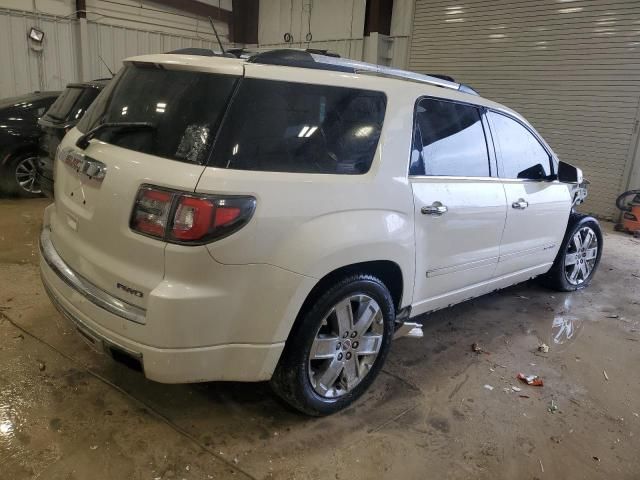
(571, 67)
(335, 25)
(58, 63)
(26, 70)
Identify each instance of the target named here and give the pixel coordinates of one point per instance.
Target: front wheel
(579, 255)
(337, 348)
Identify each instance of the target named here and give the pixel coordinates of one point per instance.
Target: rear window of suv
(184, 109)
(300, 128)
(268, 126)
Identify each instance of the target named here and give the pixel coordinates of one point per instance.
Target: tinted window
(448, 139)
(184, 109)
(62, 106)
(521, 153)
(295, 127)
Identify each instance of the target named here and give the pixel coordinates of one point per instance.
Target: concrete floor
(69, 413)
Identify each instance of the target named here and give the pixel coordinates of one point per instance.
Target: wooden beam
(244, 25)
(198, 8)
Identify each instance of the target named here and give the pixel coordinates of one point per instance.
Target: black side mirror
(535, 172)
(567, 173)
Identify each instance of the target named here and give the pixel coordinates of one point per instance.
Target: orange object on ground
(631, 220)
(630, 211)
(532, 380)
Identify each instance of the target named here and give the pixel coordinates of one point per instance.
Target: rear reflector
(187, 218)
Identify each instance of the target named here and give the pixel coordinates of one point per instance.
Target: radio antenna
(216, 34)
(105, 64)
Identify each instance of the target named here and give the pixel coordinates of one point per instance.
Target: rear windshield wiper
(83, 140)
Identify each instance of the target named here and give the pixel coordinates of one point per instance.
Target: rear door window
(184, 109)
(522, 155)
(448, 140)
(294, 127)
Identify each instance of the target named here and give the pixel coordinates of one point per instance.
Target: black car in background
(19, 137)
(63, 115)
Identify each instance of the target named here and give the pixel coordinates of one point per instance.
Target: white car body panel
(461, 247)
(533, 236)
(223, 311)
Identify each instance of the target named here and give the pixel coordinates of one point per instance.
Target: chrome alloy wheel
(346, 346)
(581, 255)
(26, 175)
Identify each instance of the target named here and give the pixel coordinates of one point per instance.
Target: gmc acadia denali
(283, 216)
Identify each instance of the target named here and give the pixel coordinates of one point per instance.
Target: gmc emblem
(129, 290)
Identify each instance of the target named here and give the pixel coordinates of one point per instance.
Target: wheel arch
(21, 149)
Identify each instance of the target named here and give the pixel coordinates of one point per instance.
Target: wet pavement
(69, 413)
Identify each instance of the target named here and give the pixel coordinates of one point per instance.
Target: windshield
(185, 108)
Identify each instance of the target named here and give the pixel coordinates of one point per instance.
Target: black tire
(8, 180)
(557, 277)
(292, 380)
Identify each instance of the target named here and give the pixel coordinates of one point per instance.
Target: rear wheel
(19, 176)
(337, 347)
(579, 256)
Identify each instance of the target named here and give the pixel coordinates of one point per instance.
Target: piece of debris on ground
(533, 380)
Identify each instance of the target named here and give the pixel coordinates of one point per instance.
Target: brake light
(187, 218)
(152, 212)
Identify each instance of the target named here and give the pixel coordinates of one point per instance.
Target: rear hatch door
(95, 188)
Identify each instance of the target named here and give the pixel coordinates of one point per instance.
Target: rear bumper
(84, 305)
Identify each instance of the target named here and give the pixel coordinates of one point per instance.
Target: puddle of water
(565, 327)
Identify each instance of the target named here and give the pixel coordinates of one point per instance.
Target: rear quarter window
(300, 128)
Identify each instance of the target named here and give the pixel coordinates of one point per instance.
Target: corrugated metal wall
(24, 70)
(114, 43)
(572, 68)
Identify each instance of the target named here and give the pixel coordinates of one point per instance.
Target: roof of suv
(373, 78)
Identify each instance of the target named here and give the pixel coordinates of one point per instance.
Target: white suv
(282, 217)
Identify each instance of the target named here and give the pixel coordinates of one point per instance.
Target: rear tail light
(187, 218)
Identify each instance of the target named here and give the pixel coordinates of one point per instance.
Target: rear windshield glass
(183, 109)
(295, 127)
(64, 103)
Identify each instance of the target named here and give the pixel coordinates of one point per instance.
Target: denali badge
(130, 290)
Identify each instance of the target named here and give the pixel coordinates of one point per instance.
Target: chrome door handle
(436, 209)
(521, 204)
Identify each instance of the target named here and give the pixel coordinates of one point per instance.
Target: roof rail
(311, 59)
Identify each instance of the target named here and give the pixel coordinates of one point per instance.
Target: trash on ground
(544, 348)
(93, 447)
(613, 315)
(552, 407)
(606, 377)
(523, 297)
(488, 387)
(476, 348)
(533, 380)
(516, 389)
(541, 467)
(597, 459)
